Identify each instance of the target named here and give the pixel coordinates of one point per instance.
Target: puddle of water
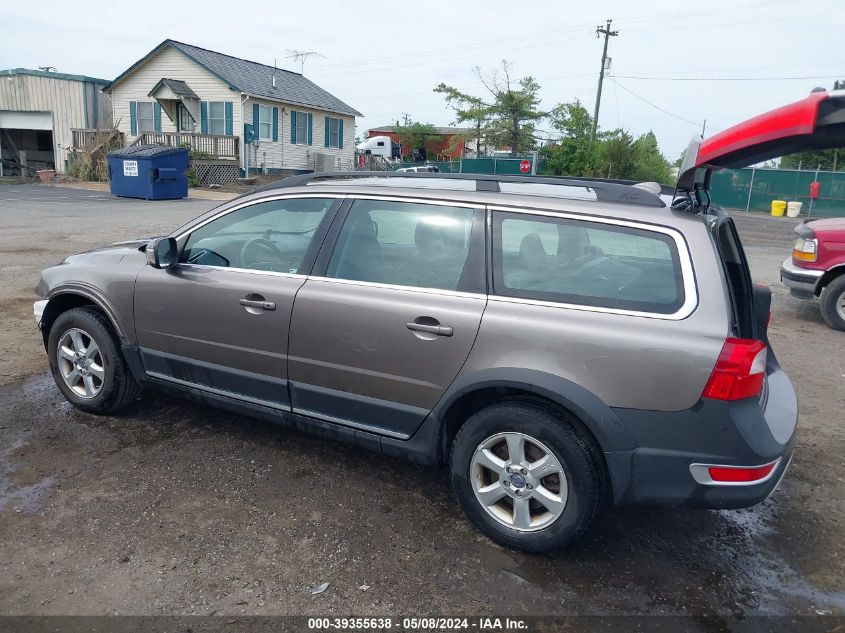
(27, 499)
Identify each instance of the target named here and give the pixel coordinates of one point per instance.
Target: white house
(247, 114)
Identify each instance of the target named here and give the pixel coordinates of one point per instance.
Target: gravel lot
(170, 508)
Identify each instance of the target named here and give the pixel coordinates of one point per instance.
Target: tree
(510, 111)
(615, 154)
(414, 136)
(829, 159)
(649, 162)
(573, 154)
(468, 109)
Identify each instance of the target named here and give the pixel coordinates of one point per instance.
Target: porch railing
(218, 147)
(83, 138)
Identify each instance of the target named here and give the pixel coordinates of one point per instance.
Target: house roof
(11, 72)
(177, 86)
(444, 130)
(254, 79)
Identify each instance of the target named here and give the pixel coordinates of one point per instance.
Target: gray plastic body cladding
(736, 433)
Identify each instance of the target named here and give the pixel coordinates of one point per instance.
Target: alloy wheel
(519, 481)
(80, 363)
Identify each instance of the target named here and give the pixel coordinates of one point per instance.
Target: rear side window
(403, 243)
(586, 263)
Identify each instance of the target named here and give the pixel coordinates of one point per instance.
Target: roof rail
(604, 191)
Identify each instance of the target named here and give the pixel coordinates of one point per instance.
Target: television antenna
(302, 57)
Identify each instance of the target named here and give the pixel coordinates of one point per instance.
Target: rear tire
(561, 479)
(87, 364)
(833, 303)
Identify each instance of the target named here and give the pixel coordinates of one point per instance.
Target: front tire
(833, 303)
(87, 364)
(528, 477)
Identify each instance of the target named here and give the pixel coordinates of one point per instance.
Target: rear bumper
(800, 281)
(741, 433)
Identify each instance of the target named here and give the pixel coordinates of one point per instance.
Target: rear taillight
(740, 474)
(805, 249)
(739, 371)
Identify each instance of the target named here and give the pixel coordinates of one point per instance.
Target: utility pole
(406, 118)
(607, 35)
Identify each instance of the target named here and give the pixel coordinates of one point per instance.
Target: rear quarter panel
(626, 361)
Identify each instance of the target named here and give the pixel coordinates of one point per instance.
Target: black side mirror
(162, 253)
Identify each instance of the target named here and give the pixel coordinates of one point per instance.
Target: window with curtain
(334, 132)
(217, 117)
(146, 118)
(265, 122)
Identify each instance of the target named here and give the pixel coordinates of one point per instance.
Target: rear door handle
(261, 305)
(439, 330)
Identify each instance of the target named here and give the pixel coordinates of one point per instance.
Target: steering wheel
(253, 246)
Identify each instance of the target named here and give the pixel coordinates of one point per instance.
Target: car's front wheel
(528, 477)
(87, 364)
(833, 303)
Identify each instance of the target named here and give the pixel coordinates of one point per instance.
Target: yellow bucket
(778, 207)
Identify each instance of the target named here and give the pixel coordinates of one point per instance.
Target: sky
(673, 64)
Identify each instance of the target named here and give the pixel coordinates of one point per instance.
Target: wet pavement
(173, 508)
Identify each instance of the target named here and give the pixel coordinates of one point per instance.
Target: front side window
(265, 122)
(270, 236)
(146, 118)
(586, 263)
(217, 117)
(334, 132)
(403, 243)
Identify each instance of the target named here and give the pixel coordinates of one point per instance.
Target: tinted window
(403, 243)
(271, 236)
(586, 263)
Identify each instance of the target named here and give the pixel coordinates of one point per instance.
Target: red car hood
(828, 224)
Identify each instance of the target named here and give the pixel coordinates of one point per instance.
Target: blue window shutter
(133, 117)
(157, 116)
(293, 127)
(229, 123)
(204, 117)
(255, 120)
(340, 133)
(275, 124)
(326, 130)
(310, 129)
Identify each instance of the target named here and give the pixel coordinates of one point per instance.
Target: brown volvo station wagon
(558, 343)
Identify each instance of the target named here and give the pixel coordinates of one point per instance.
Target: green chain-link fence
(730, 188)
(501, 166)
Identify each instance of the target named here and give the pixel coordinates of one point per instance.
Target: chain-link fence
(501, 166)
(754, 190)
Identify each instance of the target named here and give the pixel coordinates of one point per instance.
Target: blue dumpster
(152, 172)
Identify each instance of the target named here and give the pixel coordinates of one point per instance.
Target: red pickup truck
(817, 267)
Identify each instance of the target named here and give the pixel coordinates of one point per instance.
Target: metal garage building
(39, 110)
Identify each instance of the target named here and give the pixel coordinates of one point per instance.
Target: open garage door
(26, 142)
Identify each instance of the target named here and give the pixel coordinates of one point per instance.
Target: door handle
(259, 304)
(439, 330)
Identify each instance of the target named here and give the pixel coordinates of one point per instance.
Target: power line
(448, 59)
(497, 43)
(697, 124)
(640, 77)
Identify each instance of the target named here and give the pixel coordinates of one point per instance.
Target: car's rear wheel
(833, 303)
(87, 364)
(526, 476)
